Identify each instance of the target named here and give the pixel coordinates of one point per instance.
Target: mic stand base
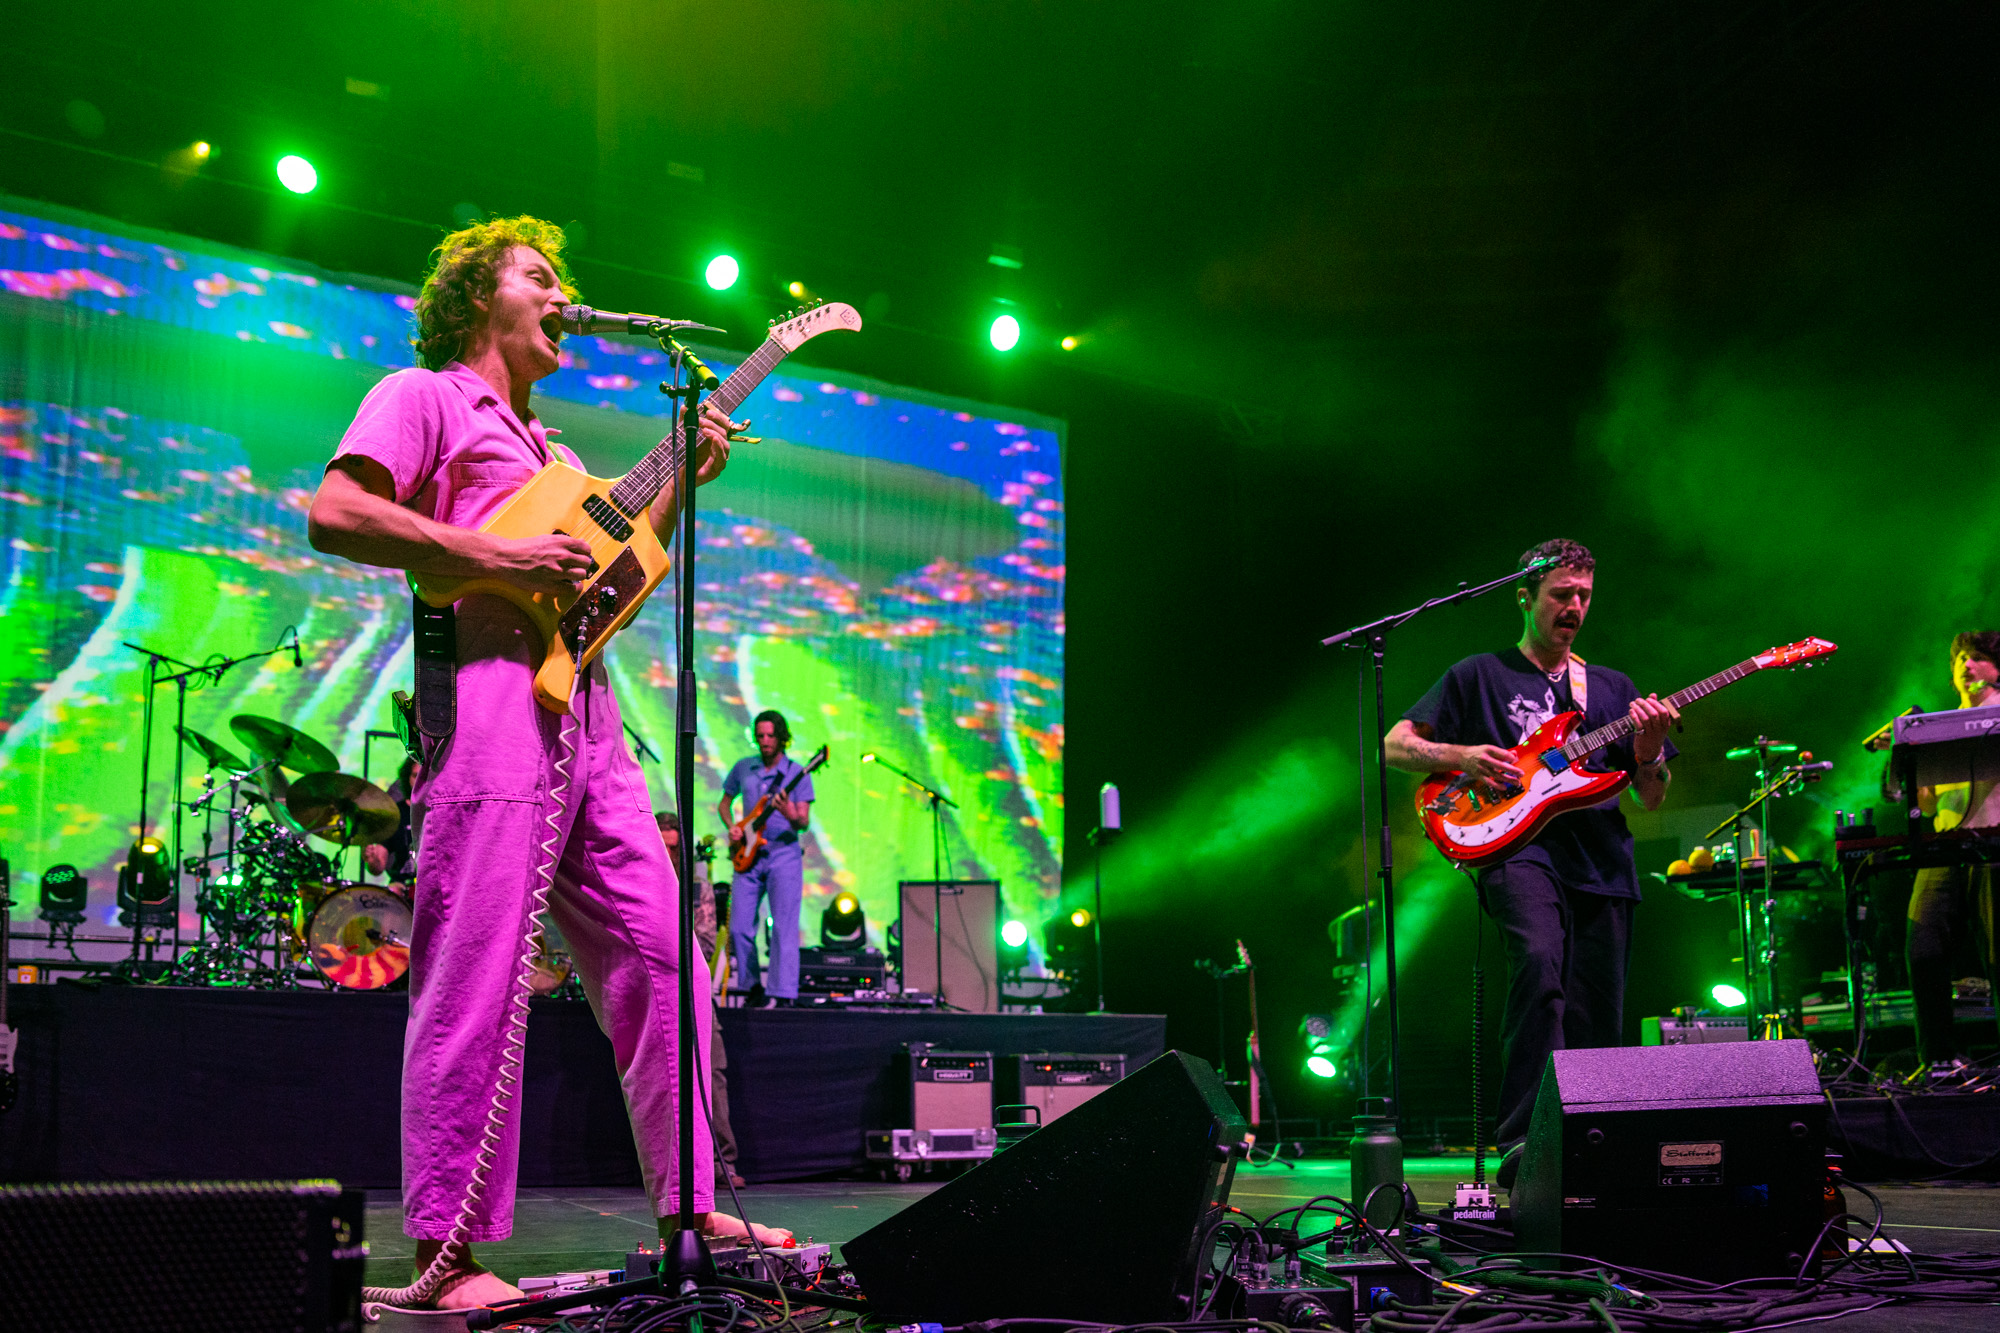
(684, 1259)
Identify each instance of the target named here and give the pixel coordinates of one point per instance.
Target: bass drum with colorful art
(357, 936)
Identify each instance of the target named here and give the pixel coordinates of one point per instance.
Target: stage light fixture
(297, 175)
(722, 272)
(145, 886)
(868, 758)
(65, 893)
(797, 289)
(1069, 343)
(1319, 1066)
(1080, 918)
(1727, 995)
(843, 925)
(202, 148)
(1006, 332)
(1014, 935)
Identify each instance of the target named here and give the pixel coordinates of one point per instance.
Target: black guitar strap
(437, 667)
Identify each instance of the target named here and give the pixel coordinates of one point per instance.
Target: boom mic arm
(582, 319)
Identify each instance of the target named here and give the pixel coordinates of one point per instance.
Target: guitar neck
(636, 489)
(1581, 747)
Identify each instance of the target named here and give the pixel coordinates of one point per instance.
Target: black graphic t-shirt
(1499, 699)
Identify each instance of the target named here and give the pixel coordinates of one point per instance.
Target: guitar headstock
(811, 321)
(1243, 956)
(819, 757)
(1802, 653)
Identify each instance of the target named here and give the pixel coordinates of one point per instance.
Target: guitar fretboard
(1582, 747)
(636, 489)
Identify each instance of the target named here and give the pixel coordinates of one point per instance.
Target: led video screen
(886, 567)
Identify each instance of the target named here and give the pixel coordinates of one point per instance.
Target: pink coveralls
(457, 452)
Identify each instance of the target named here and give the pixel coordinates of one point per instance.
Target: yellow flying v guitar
(611, 516)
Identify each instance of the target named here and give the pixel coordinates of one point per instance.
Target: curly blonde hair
(465, 267)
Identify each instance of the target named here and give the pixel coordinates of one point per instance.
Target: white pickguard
(1542, 788)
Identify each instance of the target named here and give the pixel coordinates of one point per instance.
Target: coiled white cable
(513, 1051)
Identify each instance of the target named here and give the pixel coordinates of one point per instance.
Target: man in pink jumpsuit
(432, 454)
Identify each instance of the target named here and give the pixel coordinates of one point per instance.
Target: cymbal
(288, 747)
(1761, 746)
(339, 807)
(215, 752)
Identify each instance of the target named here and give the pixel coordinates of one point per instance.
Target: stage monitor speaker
(970, 911)
(1704, 1160)
(205, 1257)
(1096, 1217)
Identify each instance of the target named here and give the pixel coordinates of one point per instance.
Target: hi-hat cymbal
(215, 752)
(287, 747)
(339, 807)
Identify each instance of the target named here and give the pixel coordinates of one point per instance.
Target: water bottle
(1376, 1156)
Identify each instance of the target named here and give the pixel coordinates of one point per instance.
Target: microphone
(582, 319)
(298, 662)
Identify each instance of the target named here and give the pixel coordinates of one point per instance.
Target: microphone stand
(685, 1261)
(1376, 634)
(640, 750)
(1098, 837)
(212, 671)
(938, 801)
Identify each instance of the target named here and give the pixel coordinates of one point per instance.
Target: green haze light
(722, 272)
(1727, 995)
(1006, 331)
(1321, 1067)
(297, 175)
(1013, 934)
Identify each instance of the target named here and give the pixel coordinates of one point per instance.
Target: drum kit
(272, 902)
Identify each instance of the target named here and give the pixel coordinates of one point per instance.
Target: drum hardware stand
(939, 855)
(208, 673)
(1786, 781)
(1376, 635)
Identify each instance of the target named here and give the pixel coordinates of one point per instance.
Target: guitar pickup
(606, 516)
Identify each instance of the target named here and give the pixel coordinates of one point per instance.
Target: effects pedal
(1474, 1203)
(791, 1264)
(1371, 1280)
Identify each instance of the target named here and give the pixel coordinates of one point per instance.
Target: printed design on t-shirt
(1528, 715)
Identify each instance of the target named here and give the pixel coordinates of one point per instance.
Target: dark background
(1368, 301)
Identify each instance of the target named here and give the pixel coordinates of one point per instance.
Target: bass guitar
(576, 624)
(746, 840)
(1475, 823)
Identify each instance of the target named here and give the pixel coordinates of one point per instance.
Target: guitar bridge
(590, 617)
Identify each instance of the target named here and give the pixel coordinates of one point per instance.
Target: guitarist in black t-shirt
(1564, 902)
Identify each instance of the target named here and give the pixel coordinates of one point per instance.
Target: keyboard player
(1950, 902)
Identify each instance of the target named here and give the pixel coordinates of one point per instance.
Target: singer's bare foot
(721, 1226)
(468, 1284)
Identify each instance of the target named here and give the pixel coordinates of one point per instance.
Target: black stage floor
(574, 1230)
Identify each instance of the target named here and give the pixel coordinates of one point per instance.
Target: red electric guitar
(1475, 823)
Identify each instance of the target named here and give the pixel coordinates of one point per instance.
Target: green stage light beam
(1006, 332)
(722, 272)
(297, 175)
(1320, 1066)
(1727, 995)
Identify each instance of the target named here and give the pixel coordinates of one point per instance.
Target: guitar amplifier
(950, 1089)
(1672, 1031)
(1056, 1084)
(828, 971)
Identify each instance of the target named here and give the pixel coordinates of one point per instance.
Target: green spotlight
(722, 272)
(1320, 1066)
(297, 175)
(1727, 995)
(1006, 331)
(1014, 934)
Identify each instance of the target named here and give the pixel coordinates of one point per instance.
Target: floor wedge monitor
(1706, 1160)
(258, 1256)
(1095, 1217)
